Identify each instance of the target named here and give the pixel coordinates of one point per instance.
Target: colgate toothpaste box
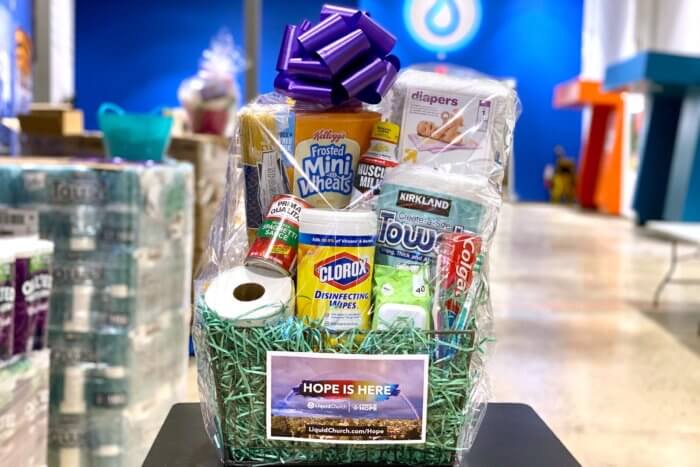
(457, 256)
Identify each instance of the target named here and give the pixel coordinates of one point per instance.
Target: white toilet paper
(250, 296)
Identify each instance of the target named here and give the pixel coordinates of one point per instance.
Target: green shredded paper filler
(232, 378)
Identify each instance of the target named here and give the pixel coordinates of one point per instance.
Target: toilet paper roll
(250, 296)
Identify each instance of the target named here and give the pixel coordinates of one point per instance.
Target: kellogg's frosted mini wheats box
(327, 148)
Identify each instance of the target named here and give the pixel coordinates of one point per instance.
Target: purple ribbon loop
(328, 30)
(310, 91)
(373, 94)
(382, 40)
(309, 68)
(344, 51)
(366, 75)
(288, 48)
(343, 57)
(328, 10)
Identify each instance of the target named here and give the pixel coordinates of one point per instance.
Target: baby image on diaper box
(455, 122)
(445, 125)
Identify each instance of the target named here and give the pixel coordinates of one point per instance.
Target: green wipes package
(416, 205)
(402, 293)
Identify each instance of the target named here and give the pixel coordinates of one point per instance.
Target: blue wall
(136, 53)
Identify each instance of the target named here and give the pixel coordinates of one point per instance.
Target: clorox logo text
(342, 271)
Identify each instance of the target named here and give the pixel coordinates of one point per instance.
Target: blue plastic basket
(131, 136)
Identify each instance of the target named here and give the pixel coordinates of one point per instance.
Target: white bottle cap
(108, 450)
(114, 372)
(73, 391)
(82, 244)
(332, 222)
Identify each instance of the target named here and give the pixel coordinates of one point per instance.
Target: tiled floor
(618, 381)
(578, 339)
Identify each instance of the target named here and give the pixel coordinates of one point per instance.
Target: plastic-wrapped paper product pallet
(105, 414)
(116, 365)
(123, 235)
(103, 437)
(208, 155)
(24, 409)
(111, 285)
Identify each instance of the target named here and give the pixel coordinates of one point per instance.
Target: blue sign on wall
(442, 25)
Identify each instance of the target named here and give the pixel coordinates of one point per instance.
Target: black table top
(512, 435)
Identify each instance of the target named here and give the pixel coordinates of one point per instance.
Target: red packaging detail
(276, 242)
(457, 254)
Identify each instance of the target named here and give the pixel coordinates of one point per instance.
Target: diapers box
(453, 123)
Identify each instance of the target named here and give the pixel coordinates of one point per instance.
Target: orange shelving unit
(599, 181)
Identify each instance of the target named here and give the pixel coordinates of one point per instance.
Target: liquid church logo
(442, 25)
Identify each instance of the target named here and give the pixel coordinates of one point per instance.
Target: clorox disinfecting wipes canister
(334, 274)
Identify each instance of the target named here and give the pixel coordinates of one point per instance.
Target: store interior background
(537, 63)
(579, 339)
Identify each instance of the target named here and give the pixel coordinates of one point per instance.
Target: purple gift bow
(343, 57)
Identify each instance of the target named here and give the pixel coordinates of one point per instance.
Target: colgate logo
(329, 135)
(342, 271)
(467, 258)
(430, 99)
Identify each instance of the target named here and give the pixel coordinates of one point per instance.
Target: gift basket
(343, 315)
(210, 96)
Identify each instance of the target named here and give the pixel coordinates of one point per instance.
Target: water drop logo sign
(442, 25)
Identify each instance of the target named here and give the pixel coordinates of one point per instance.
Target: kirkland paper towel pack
(418, 203)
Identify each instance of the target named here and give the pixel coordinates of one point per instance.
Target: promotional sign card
(350, 399)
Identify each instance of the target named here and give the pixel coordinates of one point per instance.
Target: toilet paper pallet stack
(346, 317)
(120, 306)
